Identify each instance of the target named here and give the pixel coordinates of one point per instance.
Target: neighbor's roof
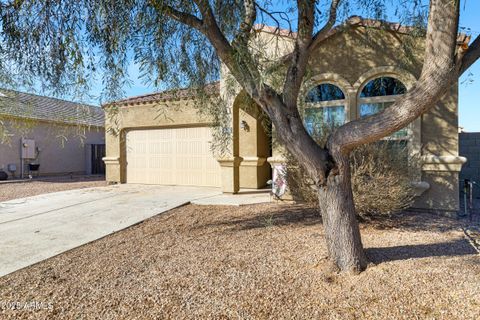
(356, 21)
(169, 95)
(35, 107)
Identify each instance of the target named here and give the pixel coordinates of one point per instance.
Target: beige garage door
(179, 156)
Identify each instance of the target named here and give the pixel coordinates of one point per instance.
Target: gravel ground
(254, 262)
(36, 186)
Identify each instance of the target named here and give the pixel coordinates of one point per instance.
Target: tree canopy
(64, 45)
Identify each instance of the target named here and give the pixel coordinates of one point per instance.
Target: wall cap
(111, 160)
(276, 160)
(253, 161)
(230, 162)
(444, 159)
(442, 163)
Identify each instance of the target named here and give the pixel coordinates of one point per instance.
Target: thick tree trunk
(342, 233)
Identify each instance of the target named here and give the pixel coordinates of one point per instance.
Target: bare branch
(180, 16)
(472, 55)
(248, 21)
(322, 33)
(272, 15)
(240, 65)
(300, 54)
(207, 12)
(317, 38)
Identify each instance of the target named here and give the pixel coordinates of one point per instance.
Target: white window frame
(325, 104)
(384, 99)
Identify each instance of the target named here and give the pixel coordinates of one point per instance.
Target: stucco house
(47, 136)
(361, 67)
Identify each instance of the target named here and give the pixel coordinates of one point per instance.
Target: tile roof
(169, 95)
(32, 106)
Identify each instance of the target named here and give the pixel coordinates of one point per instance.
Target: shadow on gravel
(292, 215)
(414, 222)
(459, 247)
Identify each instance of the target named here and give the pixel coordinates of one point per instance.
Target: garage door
(179, 156)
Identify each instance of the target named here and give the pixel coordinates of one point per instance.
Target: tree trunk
(342, 233)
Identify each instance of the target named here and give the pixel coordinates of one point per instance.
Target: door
(98, 153)
(175, 156)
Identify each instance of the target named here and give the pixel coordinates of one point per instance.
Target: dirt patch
(254, 262)
(36, 186)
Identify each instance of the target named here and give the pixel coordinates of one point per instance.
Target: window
(379, 94)
(325, 108)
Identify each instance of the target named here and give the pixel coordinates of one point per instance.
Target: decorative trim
(276, 160)
(404, 76)
(230, 162)
(408, 79)
(330, 78)
(420, 187)
(253, 161)
(111, 160)
(442, 163)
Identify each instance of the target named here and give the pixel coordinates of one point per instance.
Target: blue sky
(469, 97)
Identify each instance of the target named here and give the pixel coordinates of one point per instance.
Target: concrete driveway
(36, 228)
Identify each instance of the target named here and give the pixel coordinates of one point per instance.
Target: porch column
(230, 174)
(230, 163)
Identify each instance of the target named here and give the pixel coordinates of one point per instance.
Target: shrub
(382, 176)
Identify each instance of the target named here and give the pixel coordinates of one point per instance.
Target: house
(361, 67)
(47, 136)
(469, 147)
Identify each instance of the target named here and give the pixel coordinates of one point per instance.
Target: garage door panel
(179, 156)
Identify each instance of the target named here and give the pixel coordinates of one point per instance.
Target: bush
(382, 176)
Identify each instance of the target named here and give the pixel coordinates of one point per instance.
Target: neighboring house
(362, 67)
(469, 146)
(55, 136)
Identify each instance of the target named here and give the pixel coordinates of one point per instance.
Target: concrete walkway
(244, 197)
(36, 228)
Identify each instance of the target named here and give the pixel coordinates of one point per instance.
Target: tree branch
(322, 33)
(472, 55)
(317, 38)
(271, 15)
(246, 26)
(300, 54)
(289, 125)
(179, 16)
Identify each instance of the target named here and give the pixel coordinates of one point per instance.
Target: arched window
(379, 94)
(325, 108)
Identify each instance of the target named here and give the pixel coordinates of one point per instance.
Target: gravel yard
(21, 189)
(252, 262)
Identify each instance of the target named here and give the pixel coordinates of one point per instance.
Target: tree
(61, 41)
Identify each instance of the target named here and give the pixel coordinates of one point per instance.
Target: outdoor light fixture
(244, 126)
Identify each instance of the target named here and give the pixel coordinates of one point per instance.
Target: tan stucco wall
(144, 116)
(62, 147)
(350, 59)
(253, 145)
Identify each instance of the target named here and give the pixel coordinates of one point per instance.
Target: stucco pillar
(351, 109)
(254, 147)
(230, 174)
(230, 163)
(112, 169)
